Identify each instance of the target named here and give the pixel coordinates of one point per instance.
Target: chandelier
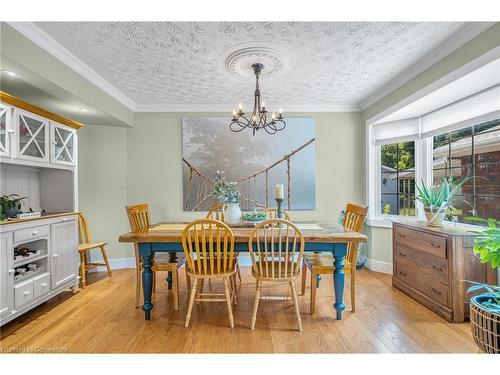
(258, 119)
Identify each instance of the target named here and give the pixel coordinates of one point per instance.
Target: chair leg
(228, 301)
(304, 277)
(353, 290)
(138, 285)
(314, 286)
(82, 270)
(239, 273)
(296, 304)
(256, 303)
(234, 293)
(191, 302)
(154, 281)
(175, 288)
(105, 257)
(188, 280)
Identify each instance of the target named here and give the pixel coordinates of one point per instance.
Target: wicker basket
(485, 326)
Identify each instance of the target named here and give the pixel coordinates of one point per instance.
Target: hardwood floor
(102, 319)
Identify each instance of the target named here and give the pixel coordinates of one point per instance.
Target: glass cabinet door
(4, 130)
(63, 144)
(33, 137)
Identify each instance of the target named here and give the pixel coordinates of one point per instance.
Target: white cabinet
(6, 130)
(32, 133)
(6, 274)
(63, 144)
(64, 251)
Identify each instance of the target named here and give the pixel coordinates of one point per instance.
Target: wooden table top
(313, 231)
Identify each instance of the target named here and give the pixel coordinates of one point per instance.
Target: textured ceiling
(158, 63)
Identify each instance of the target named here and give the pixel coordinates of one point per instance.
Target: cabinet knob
(403, 273)
(55, 255)
(27, 293)
(437, 246)
(34, 233)
(64, 219)
(436, 291)
(402, 254)
(11, 271)
(44, 285)
(439, 269)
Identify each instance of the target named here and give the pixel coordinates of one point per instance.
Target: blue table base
(147, 250)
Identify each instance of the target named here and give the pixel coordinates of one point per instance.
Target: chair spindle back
(138, 217)
(276, 248)
(83, 229)
(354, 219)
(209, 247)
(216, 212)
(272, 213)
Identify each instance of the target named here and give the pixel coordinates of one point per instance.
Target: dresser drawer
(23, 294)
(430, 243)
(31, 233)
(405, 271)
(433, 266)
(41, 285)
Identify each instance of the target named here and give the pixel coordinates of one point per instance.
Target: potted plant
(485, 308)
(11, 205)
(226, 192)
(438, 199)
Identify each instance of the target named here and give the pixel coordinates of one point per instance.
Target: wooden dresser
(430, 264)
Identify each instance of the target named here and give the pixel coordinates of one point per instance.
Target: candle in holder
(280, 191)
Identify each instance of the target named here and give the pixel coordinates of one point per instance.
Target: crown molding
(50, 45)
(467, 33)
(228, 108)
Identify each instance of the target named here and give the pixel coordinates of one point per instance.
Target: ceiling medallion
(238, 61)
(258, 119)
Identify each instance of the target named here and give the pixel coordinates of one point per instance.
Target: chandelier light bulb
(273, 116)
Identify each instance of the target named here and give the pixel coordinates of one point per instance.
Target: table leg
(147, 285)
(338, 281)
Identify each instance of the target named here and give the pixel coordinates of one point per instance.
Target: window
(397, 167)
(472, 151)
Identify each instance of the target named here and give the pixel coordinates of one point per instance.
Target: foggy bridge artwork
(256, 163)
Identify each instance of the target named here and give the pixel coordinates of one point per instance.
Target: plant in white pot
(438, 199)
(226, 192)
(485, 308)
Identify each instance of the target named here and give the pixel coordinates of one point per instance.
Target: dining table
(319, 236)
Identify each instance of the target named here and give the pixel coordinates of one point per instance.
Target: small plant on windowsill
(485, 308)
(438, 199)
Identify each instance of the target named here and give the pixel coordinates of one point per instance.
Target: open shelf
(30, 259)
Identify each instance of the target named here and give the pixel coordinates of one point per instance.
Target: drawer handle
(403, 273)
(55, 255)
(44, 285)
(27, 293)
(439, 269)
(402, 254)
(437, 246)
(401, 235)
(64, 219)
(10, 272)
(436, 291)
(34, 233)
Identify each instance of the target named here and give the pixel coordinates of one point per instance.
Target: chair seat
(90, 245)
(323, 263)
(279, 273)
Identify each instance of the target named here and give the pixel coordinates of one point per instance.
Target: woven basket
(485, 326)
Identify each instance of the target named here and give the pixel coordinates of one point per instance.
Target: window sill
(386, 221)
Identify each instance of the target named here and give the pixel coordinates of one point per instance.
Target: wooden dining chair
(85, 245)
(209, 250)
(276, 248)
(139, 219)
(320, 264)
(272, 213)
(216, 212)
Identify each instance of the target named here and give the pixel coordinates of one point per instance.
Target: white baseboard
(378, 266)
(244, 261)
